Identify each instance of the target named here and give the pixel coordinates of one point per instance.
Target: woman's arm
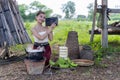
(50, 36)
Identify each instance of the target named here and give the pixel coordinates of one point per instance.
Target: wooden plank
(111, 10)
(109, 32)
(114, 10)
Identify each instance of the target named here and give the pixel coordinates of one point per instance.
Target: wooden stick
(21, 22)
(22, 35)
(94, 20)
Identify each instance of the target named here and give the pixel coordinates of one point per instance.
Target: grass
(82, 28)
(61, 31)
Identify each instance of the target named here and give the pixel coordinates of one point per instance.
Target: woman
(42, 35)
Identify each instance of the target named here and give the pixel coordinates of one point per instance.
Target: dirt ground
(14, 69)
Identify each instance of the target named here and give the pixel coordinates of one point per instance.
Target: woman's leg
(47, 54)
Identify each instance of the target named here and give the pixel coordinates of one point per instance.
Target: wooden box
(34, 67)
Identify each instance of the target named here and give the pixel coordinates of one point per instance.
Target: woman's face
(40, 18)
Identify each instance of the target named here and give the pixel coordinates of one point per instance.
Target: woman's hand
(53, 25)
(50, 29)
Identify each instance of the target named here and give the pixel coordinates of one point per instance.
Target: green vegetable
(63, 63)
(61, 60)
(73, 64)
(52, 63)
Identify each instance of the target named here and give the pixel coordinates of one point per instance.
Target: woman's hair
(40, 12)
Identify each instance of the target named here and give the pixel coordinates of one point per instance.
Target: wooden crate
(34, 67)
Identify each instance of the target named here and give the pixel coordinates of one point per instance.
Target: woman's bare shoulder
(34, 28)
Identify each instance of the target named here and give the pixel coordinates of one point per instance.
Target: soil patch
(15, 69)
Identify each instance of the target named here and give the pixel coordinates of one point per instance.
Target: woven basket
(83, 62)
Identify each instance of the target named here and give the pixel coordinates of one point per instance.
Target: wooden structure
(12, 29)
(104, 29)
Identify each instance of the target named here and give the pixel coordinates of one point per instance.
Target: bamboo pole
(6, 32)
(94, 20)
(10, 17)
(10, 20)
(17, 22)
(104, 24)
(21, 23)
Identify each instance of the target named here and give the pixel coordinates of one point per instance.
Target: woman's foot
(47, 70)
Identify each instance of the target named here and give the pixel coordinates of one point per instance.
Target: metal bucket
(34, 54)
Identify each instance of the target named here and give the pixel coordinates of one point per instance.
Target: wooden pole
(17, 22)
(6, 32)
(104, 24)
(94, 19)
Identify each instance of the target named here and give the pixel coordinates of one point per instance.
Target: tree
(23, 9)
(36, 6)
(90, 12)
(57, 15)
(115, 16)
(81, 17)
(68, 9)
(31, 10)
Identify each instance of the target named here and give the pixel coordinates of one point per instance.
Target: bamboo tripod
(12, 29)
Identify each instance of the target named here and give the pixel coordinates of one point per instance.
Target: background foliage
(81, 24)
